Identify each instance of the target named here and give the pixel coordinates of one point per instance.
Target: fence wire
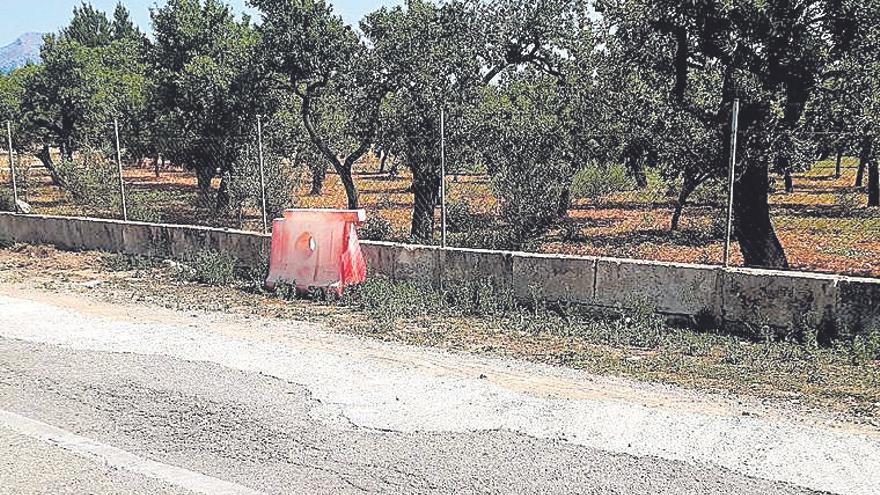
(817, 217)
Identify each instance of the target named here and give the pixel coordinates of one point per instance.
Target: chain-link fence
(815, 214)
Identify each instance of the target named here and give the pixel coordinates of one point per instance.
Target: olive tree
(316, 56)
(772, 55)
(91, 72)
(207, 86)
(445, 56)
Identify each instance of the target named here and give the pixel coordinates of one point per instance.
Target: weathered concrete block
(477, 265)
(8, 222)
(743, 296)
(380, 257)
(27, 229)
(249, 248)
(417, 264)
(554, 278)
(160, 241)
(102, 235)
(185, 241)
(35, 229)
(779, 299)
(858, 306)
(137, 238)
(61, 232)
(673, 289)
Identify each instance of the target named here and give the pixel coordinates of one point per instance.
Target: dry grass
(824, 225)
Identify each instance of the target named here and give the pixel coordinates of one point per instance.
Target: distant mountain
(23, 50)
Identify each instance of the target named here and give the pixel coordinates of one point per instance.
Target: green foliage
(207, 90)
(426, 75)
(486, 297)
(713, 192)
(376, 228)
(331, 75)
(92, 72)
(12, 94)
(525, 145)
(531, 91)
(865, 348)
(459, 217)
(90, 184)
(383, 296)
(245, 182)
(129, 263)
(595, 182)
(89, 27)
(209, 267)
(146, 206)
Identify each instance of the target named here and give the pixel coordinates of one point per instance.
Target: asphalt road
(126, 400)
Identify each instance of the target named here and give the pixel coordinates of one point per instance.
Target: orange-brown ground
(824, 225)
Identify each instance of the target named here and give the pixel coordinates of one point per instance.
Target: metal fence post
(119, 169)
(12, 166)
(734, 125)
(442, 177)
(262, 172)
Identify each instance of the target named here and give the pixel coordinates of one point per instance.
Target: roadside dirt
(83, 282)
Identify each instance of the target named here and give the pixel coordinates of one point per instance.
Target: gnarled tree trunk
(204, 176)
(860, 173)
(45, 157)
(754, 229)
(688, 187)
(351, 191)
(383, 161)
(344, 169)
(426, 194)
(867, 157)
(319, 174)
(789, 181)
(636, 166)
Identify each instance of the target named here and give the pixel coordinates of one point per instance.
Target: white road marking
(120, 459)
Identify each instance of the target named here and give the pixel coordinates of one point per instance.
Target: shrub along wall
(746, 298)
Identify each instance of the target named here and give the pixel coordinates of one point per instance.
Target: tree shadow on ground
(633, 205)
(688, 237)
(836, 212)
(396, 190)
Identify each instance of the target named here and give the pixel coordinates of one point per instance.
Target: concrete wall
(745, 297)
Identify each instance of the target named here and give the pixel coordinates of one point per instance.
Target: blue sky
(22, 16)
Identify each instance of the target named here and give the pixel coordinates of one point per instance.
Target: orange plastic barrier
(317, 249)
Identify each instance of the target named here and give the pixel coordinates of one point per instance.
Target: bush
(712, 193)
(865, 348)
(7, 203)
(145, 206)
(244, 182)
(93, 184)
(533, 195)
(209, 267)
(595, 182)
(376, 228)
(458, 216)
